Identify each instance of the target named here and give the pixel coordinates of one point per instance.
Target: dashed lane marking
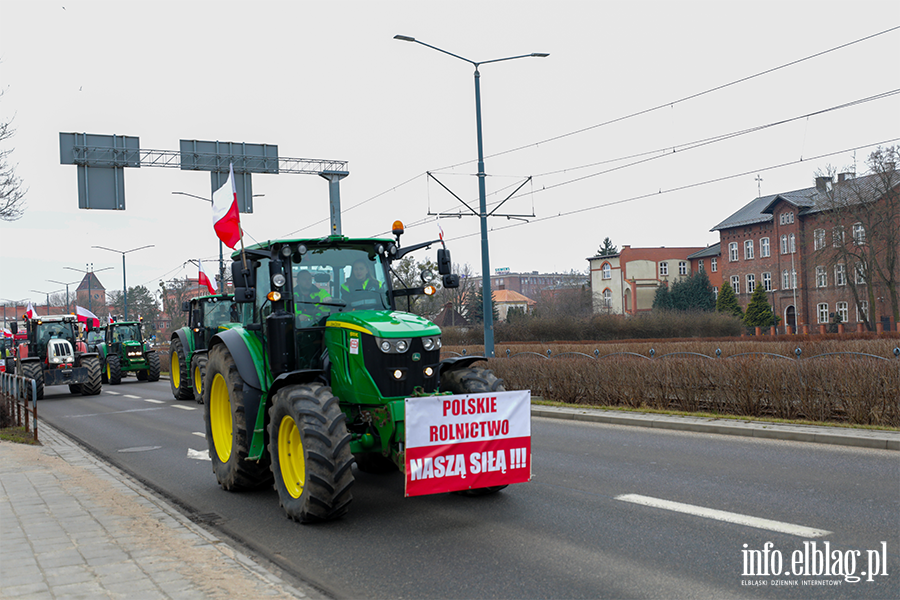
(721, 515)
(200, 433)
(151, 400)
(133, 397)
(113, 393)
(183, 407)
(198, 454)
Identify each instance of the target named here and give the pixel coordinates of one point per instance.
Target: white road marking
(183, 407)
(721, 515)
(114, 393)
(150, 400)
(198, 454)
(200, 433)
(132, 397)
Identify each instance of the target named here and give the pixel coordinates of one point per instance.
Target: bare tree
(12, 192)
(459, 297)
(864, 241)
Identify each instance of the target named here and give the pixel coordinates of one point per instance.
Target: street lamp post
(15, 306)
(67, 290)
(89, 272)
(124, 283)
(48, 298)
(487, 307)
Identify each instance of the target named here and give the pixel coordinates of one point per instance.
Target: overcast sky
(327, 80)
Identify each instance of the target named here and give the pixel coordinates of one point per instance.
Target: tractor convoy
(124, 350)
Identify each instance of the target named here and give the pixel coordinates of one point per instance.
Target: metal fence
(15, 393)
(651, 355)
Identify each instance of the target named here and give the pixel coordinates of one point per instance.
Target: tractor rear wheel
(113, 369)
(178, 372)
(33, 370)
(310, 451)
(473, 380)
(198, 375)
(153, 366)
(92, 386)
(228, 429)
(103, 377)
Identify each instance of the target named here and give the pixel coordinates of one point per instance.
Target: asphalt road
(580, 529)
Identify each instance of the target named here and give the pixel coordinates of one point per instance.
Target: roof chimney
(845, 176)
(823, 184)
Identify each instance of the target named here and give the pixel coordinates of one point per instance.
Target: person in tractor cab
(308, 298)
(361, 285)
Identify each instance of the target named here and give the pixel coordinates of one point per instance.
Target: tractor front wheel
(113, 369)
(473, 380)
(229, 429)
(92, 386)
(74, 388)
(178, 372)
(310, 451)
(33, 370)
(153, 366)
(198, 375)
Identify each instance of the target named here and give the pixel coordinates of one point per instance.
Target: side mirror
(450, 280)
(185, 306)
(443, 258)
(244, 295)
(197, 318)
(244, 281)
(89, 325)
(14, 327)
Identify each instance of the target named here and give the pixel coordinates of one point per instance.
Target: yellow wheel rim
(290, 457)
(108, 374)
(220, 418)
(174, 372)
(197, 380)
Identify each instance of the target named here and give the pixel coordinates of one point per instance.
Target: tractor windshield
(126, 333)
(218, 312)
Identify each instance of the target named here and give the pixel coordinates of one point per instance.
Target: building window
(793, 279)
(785, 280)
(840, 275)
(860, 274)
(713, 265)
(732, 252)
(859, 234)
(821, 277)
(792, 244)
(663, 269)
(736, 284)
(862, 311)
(786, 218)
(700, 265)
(748, 249)
(682, 268)
(606, 271)
(841, 309)
(822, 312)
(716, 292)
(784, 244)
(767, 281)
(819, 239)
(607, 298)
(751, 283)
(837, 236)
(764, 247)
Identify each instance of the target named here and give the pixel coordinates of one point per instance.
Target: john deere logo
(416, 357)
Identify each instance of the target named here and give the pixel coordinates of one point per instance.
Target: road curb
(861, 438)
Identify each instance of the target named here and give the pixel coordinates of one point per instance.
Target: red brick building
(787, 243)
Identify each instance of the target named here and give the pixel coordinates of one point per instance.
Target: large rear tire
(93, 385)
(310, 450)
(74, 388)
(473, 380)
(179, 378)
(153, 366)
(228, 429)
(198, 375)
(113, 369)
(33, 370)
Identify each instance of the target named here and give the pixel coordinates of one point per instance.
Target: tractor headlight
(393, 346)
(398, 374)
(429, 371)
(278, 280)
(428, 344)
(385, 346)
(402, 345)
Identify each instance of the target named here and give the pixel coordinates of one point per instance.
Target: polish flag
(206, 280)
(226, 218)
(30, 312)
(109, 317)
(84, 314)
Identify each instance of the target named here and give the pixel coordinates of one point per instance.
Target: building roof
(807, 200)
(90, 278)
(714, 250)
(511, 296)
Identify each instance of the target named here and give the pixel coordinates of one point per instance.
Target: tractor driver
(360, 285)
(308, 297)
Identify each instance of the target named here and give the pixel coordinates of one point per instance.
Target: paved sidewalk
(72, 526)
(842, 436)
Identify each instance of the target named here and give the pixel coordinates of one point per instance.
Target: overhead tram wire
(657, 154)
(680, 100)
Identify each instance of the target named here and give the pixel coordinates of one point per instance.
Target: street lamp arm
(201, 197)
(406, 38)
(533, 54)
(121, 251)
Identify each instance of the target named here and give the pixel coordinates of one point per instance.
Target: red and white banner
(7, 334)
(226, 218)
(84, 314)
(205, 280)
(30, 312)
(109, 318)
(467, 442)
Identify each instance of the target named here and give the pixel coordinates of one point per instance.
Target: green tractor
(51, 354)
(124, 350)
(315, 376)
(207, 315)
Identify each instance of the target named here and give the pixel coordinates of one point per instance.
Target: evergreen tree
(475, 307)
(728, 302)
(759, 313)
(693, 293)
(607, 248)
(663, 298)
